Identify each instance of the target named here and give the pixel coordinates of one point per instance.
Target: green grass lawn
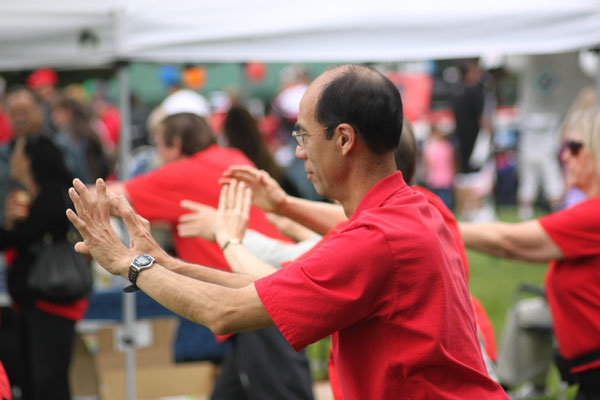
(494, 282)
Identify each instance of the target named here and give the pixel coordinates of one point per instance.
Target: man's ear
(347, 138)
(177, 146)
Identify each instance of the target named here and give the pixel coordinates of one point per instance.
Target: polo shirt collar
(380, 192)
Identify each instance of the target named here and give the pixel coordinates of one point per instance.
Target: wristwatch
(139, 263)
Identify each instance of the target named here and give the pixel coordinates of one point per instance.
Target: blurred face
(579, 162)
(20, 167)
(318, 153)
(60, 117)
(473, 74)
(25, 115)
(45, 91)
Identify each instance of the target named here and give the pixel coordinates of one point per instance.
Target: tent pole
(597, 51)
(128, 300)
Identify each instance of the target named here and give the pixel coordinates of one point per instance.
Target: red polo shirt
(156, 196)
(573, 283)
(483, 321)
(390, 288)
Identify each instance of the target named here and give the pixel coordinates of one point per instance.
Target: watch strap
(133, 272)
(230, 241)
(131, 289)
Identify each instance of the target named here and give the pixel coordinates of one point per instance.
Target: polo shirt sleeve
(575, 229)
(339, 284)
(155, 195)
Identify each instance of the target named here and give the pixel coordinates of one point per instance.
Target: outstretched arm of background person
(268, 195)
(290, 228)
(525, 241)
(201, 222)
(230, 225)
(227, 303)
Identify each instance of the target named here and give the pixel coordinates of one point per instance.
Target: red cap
(41, 77)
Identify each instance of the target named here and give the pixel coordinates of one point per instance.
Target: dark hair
(191, 129)
(406, 153)
(241, 131)
(81, 128)
(47, 161)
(366, 100)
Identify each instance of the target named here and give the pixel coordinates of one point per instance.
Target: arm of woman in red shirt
(525, 241)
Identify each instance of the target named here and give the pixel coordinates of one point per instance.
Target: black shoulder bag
(58, 273)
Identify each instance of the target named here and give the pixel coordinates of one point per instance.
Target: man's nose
(300, 152)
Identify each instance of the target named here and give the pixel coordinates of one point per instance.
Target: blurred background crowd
(488, 131)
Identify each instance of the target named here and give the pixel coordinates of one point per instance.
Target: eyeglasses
(574, 147)
(299, 135)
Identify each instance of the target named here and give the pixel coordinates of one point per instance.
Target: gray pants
(526, 347)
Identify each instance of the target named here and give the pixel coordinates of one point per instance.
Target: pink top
(438, 156)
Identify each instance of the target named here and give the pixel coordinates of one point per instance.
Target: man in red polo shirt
(389, 286)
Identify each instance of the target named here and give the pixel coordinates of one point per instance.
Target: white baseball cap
(186, 101)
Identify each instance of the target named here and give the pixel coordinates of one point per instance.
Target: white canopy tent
(71, 34)
(75, 34)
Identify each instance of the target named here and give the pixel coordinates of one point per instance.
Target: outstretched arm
(223, 302)
(525, 241)
(268, 195)
(201, 222)
(231, 223)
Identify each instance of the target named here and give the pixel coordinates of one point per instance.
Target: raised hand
(267, 194)
(141, 240)
(16, 207)
(199, 223)
(233, 212)
(92, 220)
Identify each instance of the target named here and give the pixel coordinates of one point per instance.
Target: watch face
(143, 260)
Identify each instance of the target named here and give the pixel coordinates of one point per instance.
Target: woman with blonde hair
(570, 241)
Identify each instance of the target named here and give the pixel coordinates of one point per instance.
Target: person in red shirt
(194, 163)
(570, 240)
(389, 286)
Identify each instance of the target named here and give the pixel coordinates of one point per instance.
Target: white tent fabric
(374, 30)
(68, 33)
(62, 33)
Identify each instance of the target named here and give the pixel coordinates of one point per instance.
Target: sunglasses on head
(574, 147)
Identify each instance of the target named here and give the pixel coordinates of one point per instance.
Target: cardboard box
(98, 365)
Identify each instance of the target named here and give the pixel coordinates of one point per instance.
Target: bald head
(363, 98)
(25, 114)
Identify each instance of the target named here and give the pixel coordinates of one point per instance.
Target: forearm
(243, 261)
(489, 238)
(275, 252)
(222, 309)
(316, 215)
(525, 241)
(202, 273)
